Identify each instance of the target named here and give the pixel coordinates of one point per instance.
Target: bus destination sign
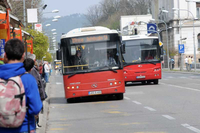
(89, 39)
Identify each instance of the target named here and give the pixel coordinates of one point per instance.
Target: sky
(67, 7)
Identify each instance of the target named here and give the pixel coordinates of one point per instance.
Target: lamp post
(165, 11)
(176, 9)
(167, 41)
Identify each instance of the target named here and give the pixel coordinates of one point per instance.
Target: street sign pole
(181, 50)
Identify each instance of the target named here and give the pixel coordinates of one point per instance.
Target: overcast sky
(67, 7)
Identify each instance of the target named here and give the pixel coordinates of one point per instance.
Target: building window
(198, 9)
(198, 37)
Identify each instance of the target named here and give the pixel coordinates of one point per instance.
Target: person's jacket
(40, 69)
(38, 78)
(33, 100)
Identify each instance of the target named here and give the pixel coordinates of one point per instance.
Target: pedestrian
(46, 71)
(50, 70)
(30, 67)
(13, 59)
(189, 63)
(186, 62)
(40, 68)
(192, 59)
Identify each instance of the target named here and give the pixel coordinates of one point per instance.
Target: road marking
(57, 129)
(136, 102)
(149, 108)
(149, 132)
(183, 77)
(169, 117)
(127, 98)
(58, 83)
(191, 128)
(187, 88)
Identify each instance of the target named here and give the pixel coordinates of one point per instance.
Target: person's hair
(189, 56)
(28, 64)
(14, 49)
(186, 56)
(32, 56)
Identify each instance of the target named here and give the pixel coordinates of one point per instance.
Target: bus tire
(120, 96)
(156, 81)
(70, 100)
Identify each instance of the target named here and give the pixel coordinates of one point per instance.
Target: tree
(40, 43)
(107, 12)
(48, 57)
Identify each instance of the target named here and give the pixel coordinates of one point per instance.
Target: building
(130, 22)
(180, 26)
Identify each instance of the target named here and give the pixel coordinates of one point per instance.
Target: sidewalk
(44, 117)
(177, 70)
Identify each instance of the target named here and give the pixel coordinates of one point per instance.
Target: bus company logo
(94, 85)
(139, 65)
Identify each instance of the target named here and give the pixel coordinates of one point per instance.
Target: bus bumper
(89, 92)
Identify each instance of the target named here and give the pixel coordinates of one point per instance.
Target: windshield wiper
(71, 75)
(131, 63)
(108, 68)
(146, 61)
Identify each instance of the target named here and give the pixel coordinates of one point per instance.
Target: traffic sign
(151, 28)
(2, 45)
(181, 48)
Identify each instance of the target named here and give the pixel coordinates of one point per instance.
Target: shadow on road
(131, 84)
(98, 98)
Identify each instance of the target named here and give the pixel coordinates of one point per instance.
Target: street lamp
(57, 17)
(167, 40)
(176, 9)
(55, 20)
(48, 25)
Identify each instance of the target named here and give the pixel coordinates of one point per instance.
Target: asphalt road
(171, 107)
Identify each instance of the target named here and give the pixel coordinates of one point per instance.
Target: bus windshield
(141, 50)
(90, 57)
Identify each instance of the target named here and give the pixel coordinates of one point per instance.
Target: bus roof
(138, 37)
(88, 31)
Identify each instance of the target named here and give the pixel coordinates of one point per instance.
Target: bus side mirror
(58, 55)
(161, 53)
(123, 50)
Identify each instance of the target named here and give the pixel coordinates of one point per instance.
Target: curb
(44, 117)
(182, 72)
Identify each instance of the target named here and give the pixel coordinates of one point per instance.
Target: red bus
(142, 59)
(91, 63)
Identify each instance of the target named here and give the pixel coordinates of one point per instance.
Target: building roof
(88, 31)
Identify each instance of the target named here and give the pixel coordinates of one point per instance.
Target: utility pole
(24, 6)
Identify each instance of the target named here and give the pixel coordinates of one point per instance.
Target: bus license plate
(140, 77)
(94, 92)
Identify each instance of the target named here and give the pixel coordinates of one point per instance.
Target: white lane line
(149, 108)
(127, 98)
(58, 83)
(191, 128)
(187, 88)
(169, 117)
(183, 77)
(136, 102)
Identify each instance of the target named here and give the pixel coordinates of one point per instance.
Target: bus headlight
(111, 83)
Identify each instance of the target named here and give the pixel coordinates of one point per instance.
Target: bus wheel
(120, 96)
(156, 81)
(71, 100)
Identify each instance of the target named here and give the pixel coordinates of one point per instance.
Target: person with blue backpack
(13, 59)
